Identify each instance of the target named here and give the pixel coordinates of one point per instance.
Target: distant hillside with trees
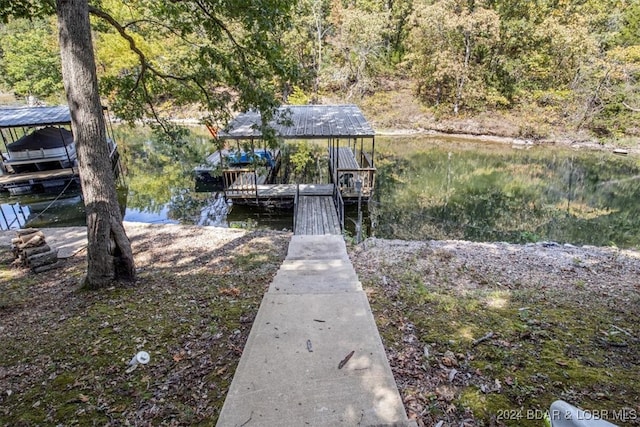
(540, 64)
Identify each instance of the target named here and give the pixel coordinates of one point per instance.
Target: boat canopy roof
(48, 137)
(303, 122)
(34, 116)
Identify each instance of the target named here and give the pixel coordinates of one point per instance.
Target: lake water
(431, 188)
(426, 188)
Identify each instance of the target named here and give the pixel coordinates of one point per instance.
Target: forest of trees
(578, 60)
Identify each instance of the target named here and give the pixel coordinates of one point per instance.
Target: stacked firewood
(31, 250)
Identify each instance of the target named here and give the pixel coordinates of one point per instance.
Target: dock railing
(366, 160)
(339, 204)
(346, 179)
(296, 199)
(240, 182)
(349, 166)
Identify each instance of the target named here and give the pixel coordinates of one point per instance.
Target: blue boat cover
(244, 158)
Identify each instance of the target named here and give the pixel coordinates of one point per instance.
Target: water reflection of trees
(515, 196)
(159, 169)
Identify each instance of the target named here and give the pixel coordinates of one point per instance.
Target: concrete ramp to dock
(314, 356)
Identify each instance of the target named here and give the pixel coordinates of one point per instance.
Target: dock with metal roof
(39, 151)
(351, 161)
(303, 122)
(344, 127)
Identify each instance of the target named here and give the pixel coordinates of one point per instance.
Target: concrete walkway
(295, 369)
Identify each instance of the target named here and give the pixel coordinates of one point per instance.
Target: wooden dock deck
(279, 191)
(315, 209)
(316, 216)
(15, 180)
(346, 159)
(241, 185)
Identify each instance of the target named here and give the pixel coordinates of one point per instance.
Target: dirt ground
(493, 333)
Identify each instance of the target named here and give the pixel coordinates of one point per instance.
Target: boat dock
(319, 208)
(39, 151)
(350, 148)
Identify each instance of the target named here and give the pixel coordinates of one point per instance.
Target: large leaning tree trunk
(109, 251)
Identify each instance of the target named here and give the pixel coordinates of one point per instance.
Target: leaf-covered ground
(476, 334)
(490, 334)
(64, 352)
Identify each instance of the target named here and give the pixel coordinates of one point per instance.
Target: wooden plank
(346, 159)
(328, 228)
(316, 215)
(313, 215)
(298, 214)
(304, 218)
(41, 175)
(319, 212)
(308, 228)
(336, 220)
(333, 221)
(299, 217)
(322, 217)
(326, 215)
(308, 215)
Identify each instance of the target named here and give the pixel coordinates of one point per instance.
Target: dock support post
(6, 221)
(296, 199)
(359, 224)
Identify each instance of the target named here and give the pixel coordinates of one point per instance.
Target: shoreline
(73, 239)
(516, 142)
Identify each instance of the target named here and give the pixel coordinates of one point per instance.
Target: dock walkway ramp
(314, 355)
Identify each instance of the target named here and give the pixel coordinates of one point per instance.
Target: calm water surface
(451, 189)
(427, 188)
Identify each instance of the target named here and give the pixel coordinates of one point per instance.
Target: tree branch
(221, 25)
(144, 63)
(239, 48)
(132, 43)
(161, 25)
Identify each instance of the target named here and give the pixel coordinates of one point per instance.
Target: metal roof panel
(34, 116)
(303, 121)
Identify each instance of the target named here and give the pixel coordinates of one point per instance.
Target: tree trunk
(109, 250)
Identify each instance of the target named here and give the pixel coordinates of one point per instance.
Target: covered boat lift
(345, 129)
(39, 149)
